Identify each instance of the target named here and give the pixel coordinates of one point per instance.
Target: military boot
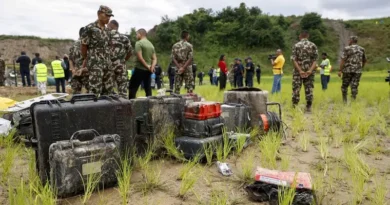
(345, 99)
(308, 106)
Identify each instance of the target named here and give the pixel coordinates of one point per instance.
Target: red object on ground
(276, 177)
(202, 110)
(265, 122)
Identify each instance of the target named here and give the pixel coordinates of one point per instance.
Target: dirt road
(343, 33)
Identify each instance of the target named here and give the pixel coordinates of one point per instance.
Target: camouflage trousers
(350, 79)
(78, 82)
(188, 79)
(101, 80)
(2, 78)
(308, 83)
(120, 78)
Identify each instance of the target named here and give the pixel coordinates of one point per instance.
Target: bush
(317, 37)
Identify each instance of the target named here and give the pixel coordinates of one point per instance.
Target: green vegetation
(374, 38)
(347, 163)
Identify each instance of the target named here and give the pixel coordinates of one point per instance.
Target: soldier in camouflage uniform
(95, 49)
(182, 55)
(2, 71)
(304, 55)
(353, 60)
(121, 52)
(80, 77)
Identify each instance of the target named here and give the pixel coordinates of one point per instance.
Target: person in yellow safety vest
(326, 68)
(59, 74)
(218, 70)
(41, 72)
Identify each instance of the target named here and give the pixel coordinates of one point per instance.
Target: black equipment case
(57, 120)
(203, 128)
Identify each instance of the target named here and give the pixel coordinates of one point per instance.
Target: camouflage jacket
(305, 53)
(120, 47)
(98, 42)
(75, 55)
(353, 56)
(182, 51)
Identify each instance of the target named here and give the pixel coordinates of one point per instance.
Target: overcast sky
(63, 18)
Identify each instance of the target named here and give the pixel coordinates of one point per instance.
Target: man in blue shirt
(24, 62)
(238, 73)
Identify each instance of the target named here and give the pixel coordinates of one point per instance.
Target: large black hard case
(57, 120)
(153, 117)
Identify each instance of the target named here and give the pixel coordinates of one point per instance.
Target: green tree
(311, 21)
(282, 22)
(316, 37)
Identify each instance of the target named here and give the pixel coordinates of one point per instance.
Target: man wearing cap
(304, 55)
(80, 75)
(250, 71)
(182, 57)
(121, 51)
(238, 73)
(277, 69)
(95, 49)
(353, 60)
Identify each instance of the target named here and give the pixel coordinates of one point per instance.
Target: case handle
(82, 97)
(83, 132)
(277, 104)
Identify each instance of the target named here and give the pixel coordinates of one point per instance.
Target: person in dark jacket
(35, 60)
(200, 76)
(238, 73)
(258, 74)
(171, 75)
(250, 71)
(66, 66)
(24, 62)
(210, 73)
(158, 72)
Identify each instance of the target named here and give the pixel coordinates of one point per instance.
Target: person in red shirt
(223, 75)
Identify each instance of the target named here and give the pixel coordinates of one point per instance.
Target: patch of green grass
(245, 174)
(152, 179)
(269, 147)
(7, 160)
(90, 185)
(187, 184)
(170, 146)
(124, 177)
(209, 150)
(188, 167)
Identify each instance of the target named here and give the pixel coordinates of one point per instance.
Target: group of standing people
(98, 60)
(305, 55)
(60, 71)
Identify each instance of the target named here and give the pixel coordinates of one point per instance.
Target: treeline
(241, 27)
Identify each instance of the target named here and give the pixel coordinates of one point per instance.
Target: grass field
(344, 147)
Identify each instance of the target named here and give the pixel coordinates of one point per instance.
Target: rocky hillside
(11, 46)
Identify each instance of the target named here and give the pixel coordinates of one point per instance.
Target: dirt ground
(335, 175)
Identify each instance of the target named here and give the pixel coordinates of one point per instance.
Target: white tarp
(5, 126)
(27, 103)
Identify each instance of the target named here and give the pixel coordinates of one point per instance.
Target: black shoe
(308, 109)
(345, 99)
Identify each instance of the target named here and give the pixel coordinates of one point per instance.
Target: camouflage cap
(248, 58)
(353, 38)
(106, 10)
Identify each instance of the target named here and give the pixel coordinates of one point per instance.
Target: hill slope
(11, 46)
